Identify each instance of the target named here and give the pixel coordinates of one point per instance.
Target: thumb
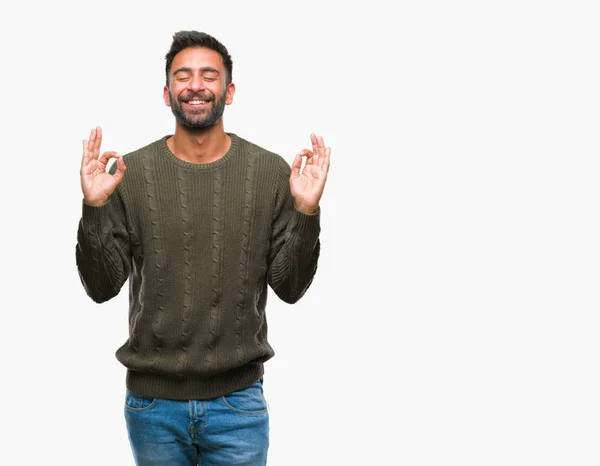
(297, 164)
(121, 168)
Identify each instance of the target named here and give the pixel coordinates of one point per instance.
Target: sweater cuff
(307, 224)
(94, 215)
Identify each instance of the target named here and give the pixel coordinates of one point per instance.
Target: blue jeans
(229, 430)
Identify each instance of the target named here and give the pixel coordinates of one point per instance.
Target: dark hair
(184, 39)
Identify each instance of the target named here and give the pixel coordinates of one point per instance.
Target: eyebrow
(204, 69)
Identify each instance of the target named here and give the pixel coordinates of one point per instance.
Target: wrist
(94, 203)
(306, 209)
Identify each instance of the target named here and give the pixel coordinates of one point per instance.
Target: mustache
(196, 96)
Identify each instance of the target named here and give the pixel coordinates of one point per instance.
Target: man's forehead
(198, 57)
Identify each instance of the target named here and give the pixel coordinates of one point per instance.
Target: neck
(199, 146)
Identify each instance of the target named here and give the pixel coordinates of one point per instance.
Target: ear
(230, 92)
(166, 96)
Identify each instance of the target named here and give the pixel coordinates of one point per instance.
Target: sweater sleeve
(103, 252)
(295, 244)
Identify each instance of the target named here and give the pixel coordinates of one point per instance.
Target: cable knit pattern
(217, 249)
(200, 245)
(244, 251)
(188, 270)
(159, 259)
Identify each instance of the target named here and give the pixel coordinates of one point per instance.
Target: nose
(196, 83)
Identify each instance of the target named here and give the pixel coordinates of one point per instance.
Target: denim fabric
(229, 430)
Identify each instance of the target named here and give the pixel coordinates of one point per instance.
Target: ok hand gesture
(307, 186)
(96, 183)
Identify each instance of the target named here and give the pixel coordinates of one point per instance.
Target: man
(200, 222)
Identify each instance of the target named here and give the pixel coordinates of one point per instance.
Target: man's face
(198, 93)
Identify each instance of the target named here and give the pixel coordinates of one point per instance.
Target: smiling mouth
(197, 102)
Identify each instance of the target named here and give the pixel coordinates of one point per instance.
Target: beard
(199, 119)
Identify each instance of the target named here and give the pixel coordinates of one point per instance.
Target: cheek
(175, 91)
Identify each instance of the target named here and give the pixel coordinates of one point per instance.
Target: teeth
(197, 102)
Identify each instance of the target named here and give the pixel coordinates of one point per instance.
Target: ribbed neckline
(200, 166)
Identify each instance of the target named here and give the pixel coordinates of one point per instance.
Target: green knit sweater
(199, 243)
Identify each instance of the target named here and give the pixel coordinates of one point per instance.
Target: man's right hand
(96, 183)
